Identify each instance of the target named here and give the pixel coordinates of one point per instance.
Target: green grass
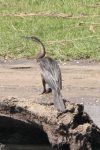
(74, 34)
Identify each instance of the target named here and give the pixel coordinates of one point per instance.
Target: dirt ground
(22, 79)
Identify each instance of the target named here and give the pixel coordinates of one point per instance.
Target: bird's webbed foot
(43, 92)
(49, 90)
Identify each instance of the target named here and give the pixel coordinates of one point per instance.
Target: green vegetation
(68, 29)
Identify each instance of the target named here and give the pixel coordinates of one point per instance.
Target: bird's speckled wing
(51, 73)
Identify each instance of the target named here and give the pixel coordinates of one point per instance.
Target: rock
(71, 128)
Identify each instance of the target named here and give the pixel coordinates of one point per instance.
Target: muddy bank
(21, 80)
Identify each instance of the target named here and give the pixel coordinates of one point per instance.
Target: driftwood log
(72, 128)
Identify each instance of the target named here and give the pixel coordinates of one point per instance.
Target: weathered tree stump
(71, 127)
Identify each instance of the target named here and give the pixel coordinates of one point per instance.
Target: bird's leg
(44, 86)
(49, 90)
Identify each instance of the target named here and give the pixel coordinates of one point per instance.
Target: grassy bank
(68, 29)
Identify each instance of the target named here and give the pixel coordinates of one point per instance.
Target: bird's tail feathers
(58, 101)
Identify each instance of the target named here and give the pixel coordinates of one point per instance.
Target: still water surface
(27, 147)
(31, 147)
(94, 113)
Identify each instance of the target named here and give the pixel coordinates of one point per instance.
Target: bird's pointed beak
(31, 38)
(25, 37)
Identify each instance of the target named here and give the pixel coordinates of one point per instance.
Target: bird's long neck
(41, 53)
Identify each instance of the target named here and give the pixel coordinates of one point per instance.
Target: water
(94, 113)
(31, 147)
(27, 147)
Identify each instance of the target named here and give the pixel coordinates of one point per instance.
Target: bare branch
(52, 14)
(15, 28)
(92, 6)
(53, 42)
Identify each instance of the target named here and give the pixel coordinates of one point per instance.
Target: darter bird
(50, 73)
